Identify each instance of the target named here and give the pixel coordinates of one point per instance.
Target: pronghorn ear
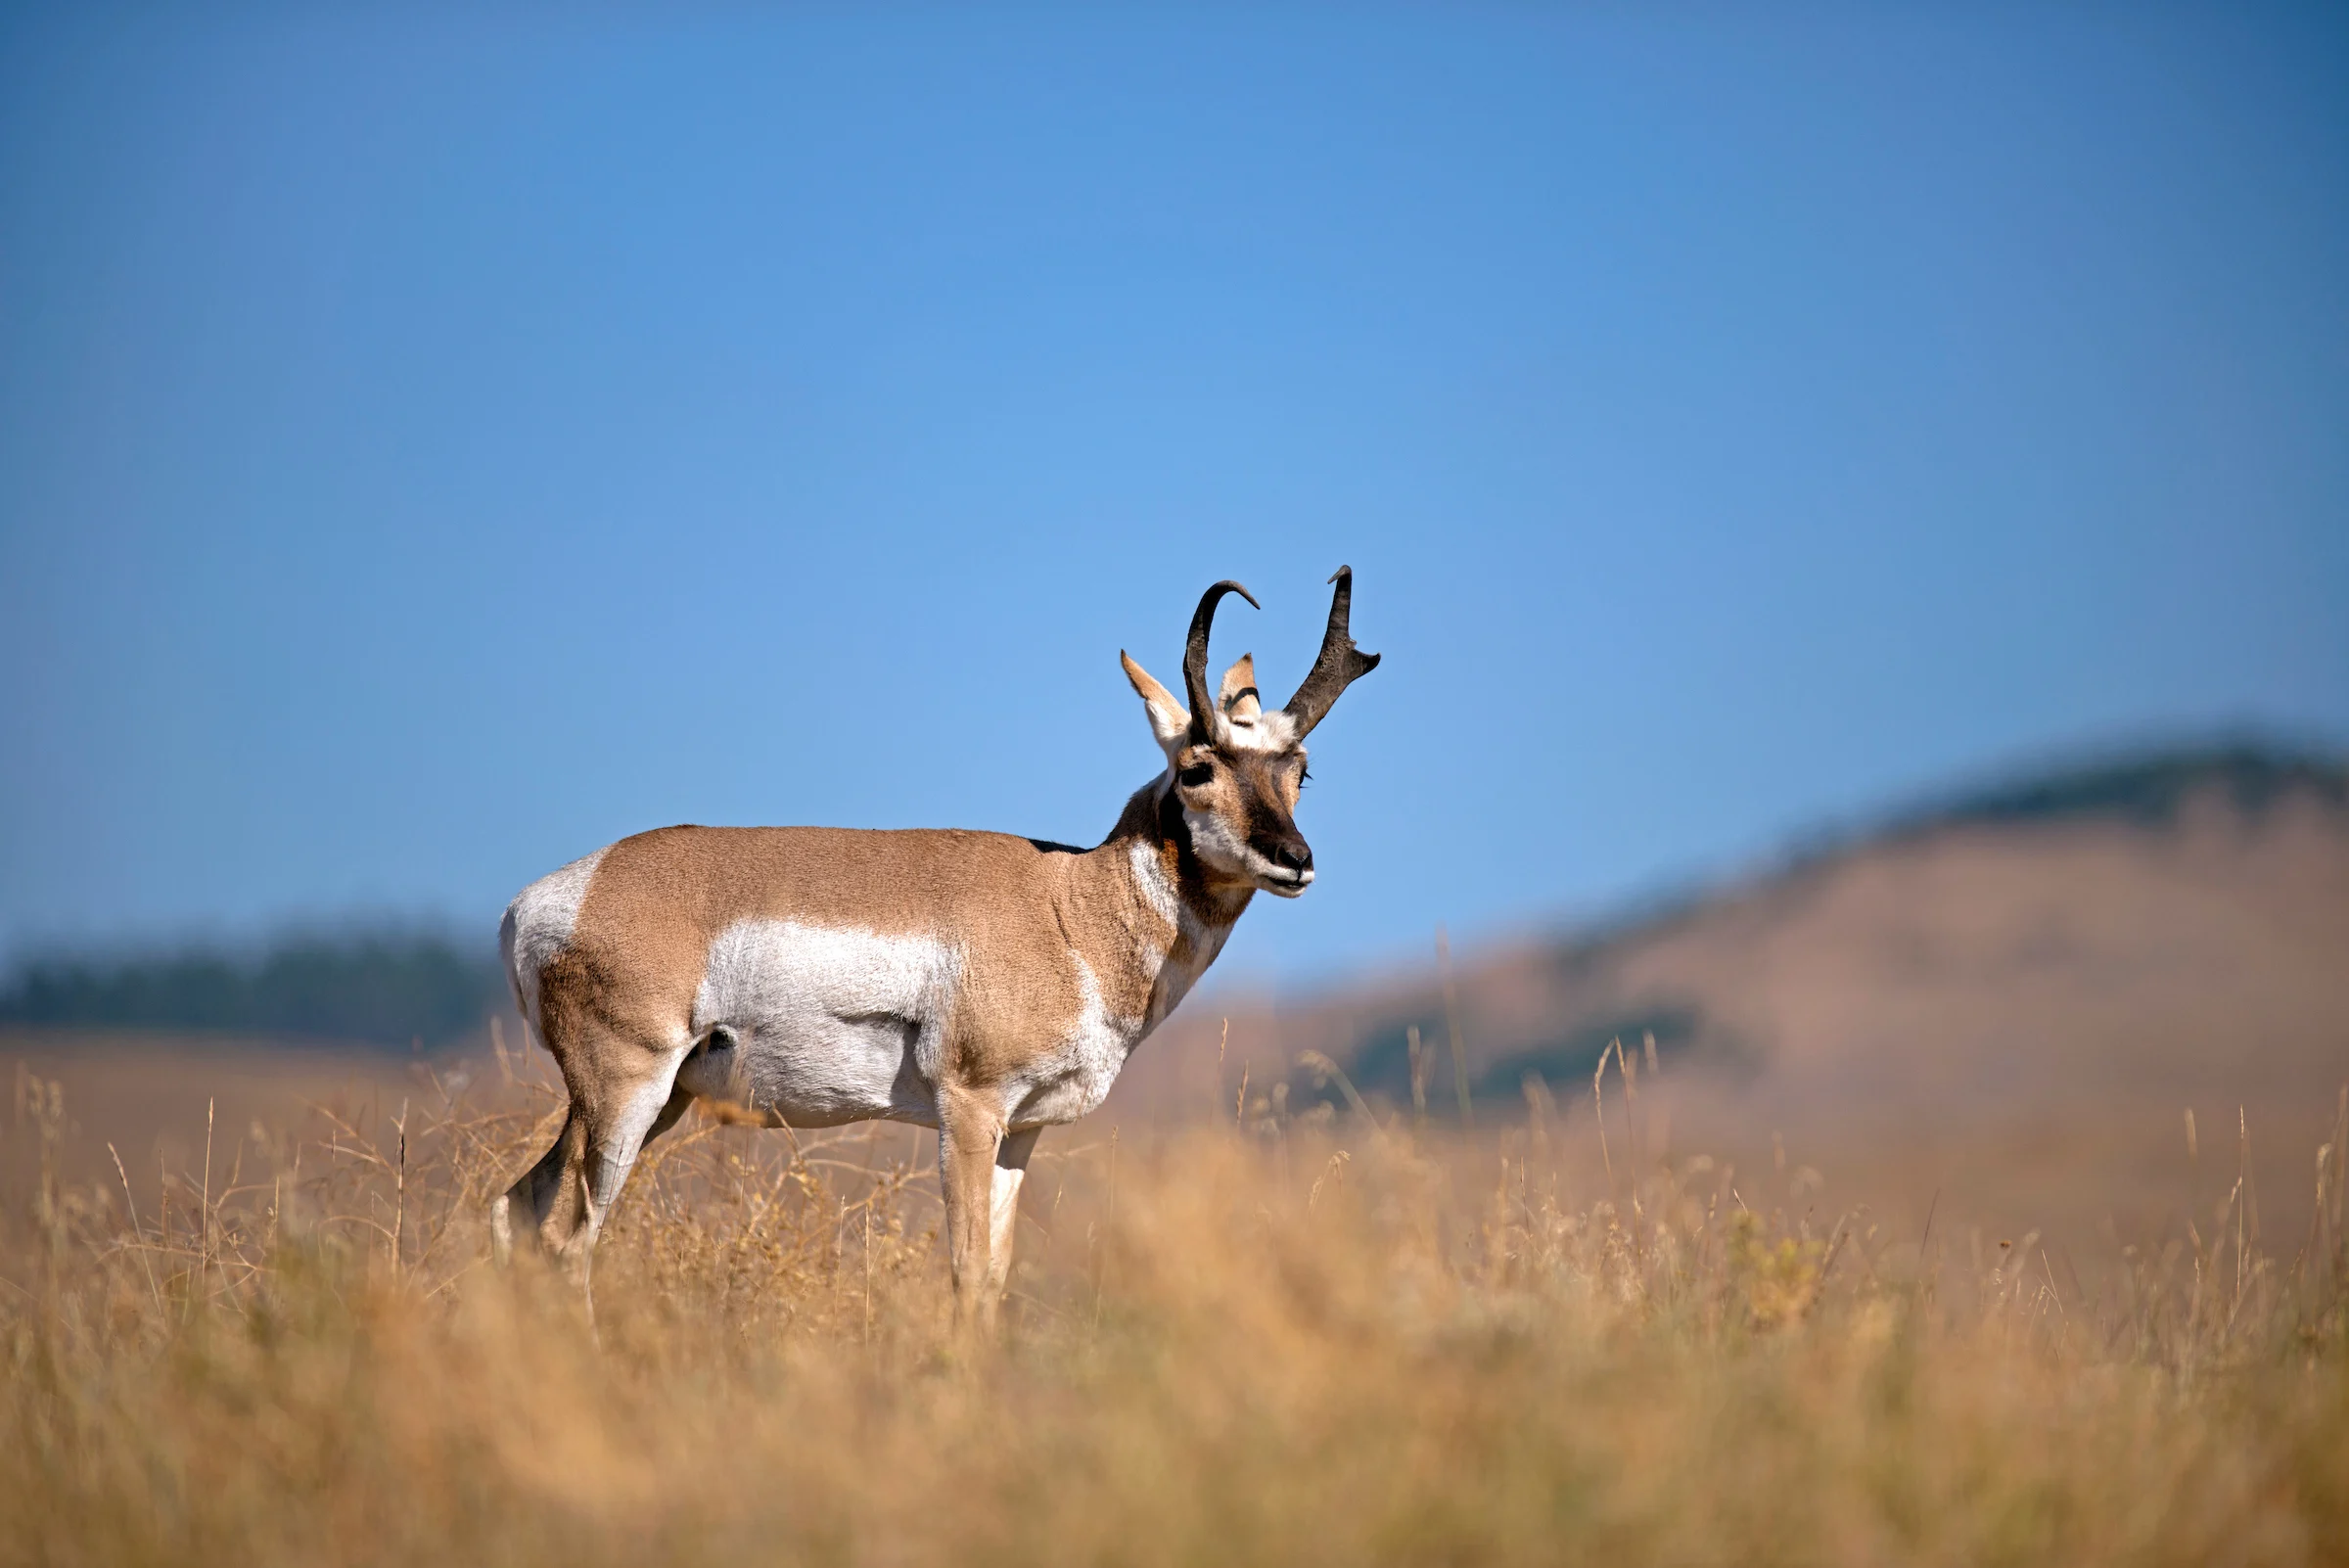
(1239, 699)
(1170, 720)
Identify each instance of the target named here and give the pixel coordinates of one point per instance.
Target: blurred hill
(1960, 989)
(2108, 912)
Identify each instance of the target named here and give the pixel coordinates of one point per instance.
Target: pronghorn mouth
(1287, 884)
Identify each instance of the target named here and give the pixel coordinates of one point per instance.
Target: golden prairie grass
(1278, 1341)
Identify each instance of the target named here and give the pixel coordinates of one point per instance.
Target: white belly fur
(828, 1024)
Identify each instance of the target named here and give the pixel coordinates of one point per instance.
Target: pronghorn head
(1234, 767)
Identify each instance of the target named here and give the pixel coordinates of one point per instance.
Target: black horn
(1194, 660)
(1340, 665)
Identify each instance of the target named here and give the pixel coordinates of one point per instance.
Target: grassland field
(1231, 1338)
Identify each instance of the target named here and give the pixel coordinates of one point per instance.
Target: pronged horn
(1194, 660)
(1340, 665)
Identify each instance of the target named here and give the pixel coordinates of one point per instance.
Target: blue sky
(436, 443)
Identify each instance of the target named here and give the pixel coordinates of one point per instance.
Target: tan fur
(1019, 910)
(1238, 697)
(1169, 718)
(1043, 938)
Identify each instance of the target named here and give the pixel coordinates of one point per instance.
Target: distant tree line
(2147, 787)
(381, 988)
(2152, 788)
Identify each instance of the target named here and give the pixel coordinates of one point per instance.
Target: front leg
(1003, 1211)
(970, 1135)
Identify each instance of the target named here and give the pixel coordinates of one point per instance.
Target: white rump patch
(828, 1024)
(537, 924)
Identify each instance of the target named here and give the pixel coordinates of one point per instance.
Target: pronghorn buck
(983, 985)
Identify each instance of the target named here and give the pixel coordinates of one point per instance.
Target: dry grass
(1276, 1343)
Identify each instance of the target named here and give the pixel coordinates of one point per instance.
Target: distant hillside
(2149, 789)
(2182, 912)
(378, 988)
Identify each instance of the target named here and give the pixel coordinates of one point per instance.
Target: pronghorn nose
(1294, 856)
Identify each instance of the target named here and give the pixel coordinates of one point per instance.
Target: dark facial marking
(1271, 829)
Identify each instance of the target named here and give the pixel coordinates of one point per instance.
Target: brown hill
(2015, 996)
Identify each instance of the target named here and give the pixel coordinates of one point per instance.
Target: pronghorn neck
(1168, 913)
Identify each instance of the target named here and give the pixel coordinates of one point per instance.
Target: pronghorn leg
(546, 1187)
(1003, 1207)
(970, 1132)
(679, 1098)
(562, 1203)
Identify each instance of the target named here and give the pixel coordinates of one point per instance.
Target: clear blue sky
(433, 444)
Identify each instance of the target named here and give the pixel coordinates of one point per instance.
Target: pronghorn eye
(1198, 774)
